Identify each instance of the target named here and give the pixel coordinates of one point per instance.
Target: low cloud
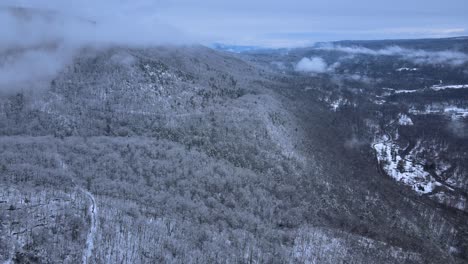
(447, 57)
(313, 65)
(355, 143)
(22, 70)
(36, 43)
(458, 127)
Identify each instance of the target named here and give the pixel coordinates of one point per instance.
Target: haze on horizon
(271, 23)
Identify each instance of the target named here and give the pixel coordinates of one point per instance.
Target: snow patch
(405, 170)
(406, 69)
(379, 102)
(456, 112)
(405, 120)
(442, 109)
(335, 104)
(444, 87)
(391, 91)
(405, 91)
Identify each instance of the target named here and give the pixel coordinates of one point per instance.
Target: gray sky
(275, 23)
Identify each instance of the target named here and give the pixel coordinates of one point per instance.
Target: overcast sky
(275, 23)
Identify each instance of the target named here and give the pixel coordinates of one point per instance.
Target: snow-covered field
(406, 69)
(405, 91)
(456, 111)
(338, 103)
(444, 109)
(437, 87)
(443, 87)
(406, 170)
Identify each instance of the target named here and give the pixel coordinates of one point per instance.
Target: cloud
(26, 27)
(355, 143)
(314, 65)
(37, 43)
(448, 57)
(458, 128)
(25, 69)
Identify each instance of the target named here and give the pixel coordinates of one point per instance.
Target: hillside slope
(198, 156)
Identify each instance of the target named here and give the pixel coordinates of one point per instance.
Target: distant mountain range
(236, 48)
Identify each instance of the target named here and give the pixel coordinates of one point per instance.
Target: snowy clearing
(449, 110)
(405, 91)
(406, 69)
(444, 87)
(405, 170)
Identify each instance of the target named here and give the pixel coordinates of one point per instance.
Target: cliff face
(188, 155)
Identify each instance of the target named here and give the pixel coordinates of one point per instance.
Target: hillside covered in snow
(184, 154)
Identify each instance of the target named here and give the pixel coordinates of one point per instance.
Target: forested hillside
(191, 155)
